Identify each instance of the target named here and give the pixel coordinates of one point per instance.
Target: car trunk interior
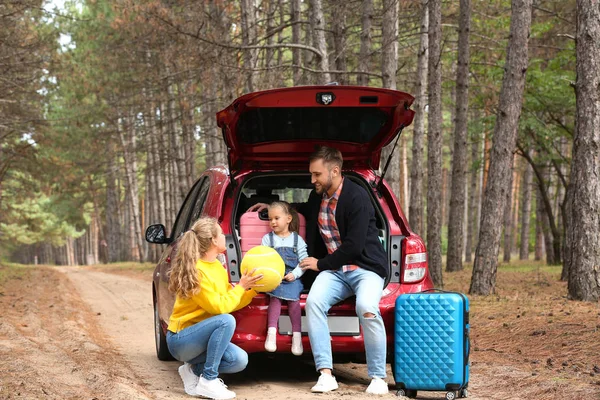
(293, 188)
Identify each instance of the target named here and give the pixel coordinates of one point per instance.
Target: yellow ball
(267, 262)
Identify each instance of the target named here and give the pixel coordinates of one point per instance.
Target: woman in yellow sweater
(201, 326)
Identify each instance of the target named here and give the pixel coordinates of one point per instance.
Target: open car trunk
(293, 188)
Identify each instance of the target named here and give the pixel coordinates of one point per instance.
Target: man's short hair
(330, 156)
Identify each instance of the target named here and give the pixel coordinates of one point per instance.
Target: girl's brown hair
(183, 277)
(288, 209)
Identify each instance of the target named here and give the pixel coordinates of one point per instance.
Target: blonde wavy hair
(184, 279)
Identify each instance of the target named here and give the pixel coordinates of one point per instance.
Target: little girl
(291, 247)
(201, 326)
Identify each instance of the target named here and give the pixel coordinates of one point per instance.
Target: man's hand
(289, 277)
(309, 263)
(258, 207)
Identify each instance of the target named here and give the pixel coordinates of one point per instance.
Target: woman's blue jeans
(207, 346)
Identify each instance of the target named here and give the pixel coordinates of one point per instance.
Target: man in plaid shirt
(342, 233)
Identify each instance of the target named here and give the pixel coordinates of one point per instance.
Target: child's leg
(295, 315)
(274, 312)
(296, 319)
(272, 317)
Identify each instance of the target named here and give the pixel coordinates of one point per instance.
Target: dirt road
(76, 333)
(125, 307)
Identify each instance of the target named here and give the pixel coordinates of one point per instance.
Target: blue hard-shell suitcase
(431, 343)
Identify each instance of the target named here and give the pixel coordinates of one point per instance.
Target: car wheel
(162, 351)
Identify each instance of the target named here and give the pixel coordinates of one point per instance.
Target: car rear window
(349, 124)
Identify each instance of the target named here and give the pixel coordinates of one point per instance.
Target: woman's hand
(289, 277)
(258, 207)
(248, 280)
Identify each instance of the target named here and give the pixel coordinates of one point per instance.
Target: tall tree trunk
(459, 160)
(415, 207)
(508, 213)
(317, 23)
(505, 136)
(553, 250)
(270, 75)
(583, 205)
(175, 149)
(127, 135)
(525, 211)
(434, 144)
(471, 207)
(113, 227)
(545, 226)
(365, 42)
(389, 64)
(539, 233)
(185, 94)
(339, 42)
(249, 38)
(389, 43)
(295, 9)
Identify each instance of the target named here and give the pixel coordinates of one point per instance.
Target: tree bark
(415, 207)
(113, 227)
(583, 225)
(249, 38)
(389, 43)
(471, 208)
(551, 231)
(505, 135)
(295, 8)
(434, 144)
(508, 214)
(389, 64)
(525, 211)
(459, 160)
(339, 42)
(318, 27)
(127, 135)
(539, 234)
(365, 42)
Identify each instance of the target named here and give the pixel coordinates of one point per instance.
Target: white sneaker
(297, 348)
(326, 383)
(215, 389)
(378, 386)
(189, 378)
(271, 342)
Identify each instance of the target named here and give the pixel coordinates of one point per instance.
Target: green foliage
(31, 216)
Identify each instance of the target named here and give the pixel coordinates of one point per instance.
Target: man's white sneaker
(271, 342)
(189, 378)
(326, 383)
(378, 386)
(297, 348)
(215, 389)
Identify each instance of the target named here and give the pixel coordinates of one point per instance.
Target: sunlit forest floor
(528, 342)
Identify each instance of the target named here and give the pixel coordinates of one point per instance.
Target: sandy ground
(76, 333)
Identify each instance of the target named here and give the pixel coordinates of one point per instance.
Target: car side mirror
(156, 234)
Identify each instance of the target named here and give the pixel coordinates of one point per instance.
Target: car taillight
(415, 260)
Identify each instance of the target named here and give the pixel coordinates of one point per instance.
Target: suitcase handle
(436, 290)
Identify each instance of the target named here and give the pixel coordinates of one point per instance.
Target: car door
(182, 224)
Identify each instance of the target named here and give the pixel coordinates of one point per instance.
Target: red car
(269, 136)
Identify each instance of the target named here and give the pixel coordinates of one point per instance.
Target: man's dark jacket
(355, 218)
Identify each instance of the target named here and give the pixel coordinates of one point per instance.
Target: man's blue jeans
(331, 287)
(207, 346)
